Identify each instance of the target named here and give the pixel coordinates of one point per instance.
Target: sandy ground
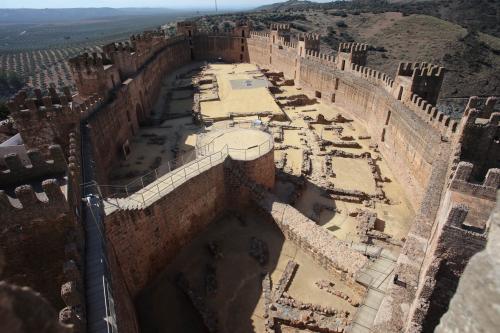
(349, 174)
(238, 300)
(239, 102)
(242, 143)
(162, 307)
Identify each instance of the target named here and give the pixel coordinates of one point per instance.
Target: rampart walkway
(99, 302)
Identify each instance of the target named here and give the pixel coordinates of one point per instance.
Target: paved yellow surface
(240, 102)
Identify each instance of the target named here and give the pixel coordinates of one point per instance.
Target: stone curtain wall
(409, 143)
(145, 240)
(257, 49)
(285, 60)
(117, 120)
(228, 48)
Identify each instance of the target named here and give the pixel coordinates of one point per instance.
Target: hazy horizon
(186, 4)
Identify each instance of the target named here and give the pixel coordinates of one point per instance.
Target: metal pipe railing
(146, 188)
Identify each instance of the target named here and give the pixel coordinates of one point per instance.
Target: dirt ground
(349, 174)
(238, 300)
(240, 102)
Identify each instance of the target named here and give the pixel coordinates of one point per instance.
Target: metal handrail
(176, 177)
(150, 186)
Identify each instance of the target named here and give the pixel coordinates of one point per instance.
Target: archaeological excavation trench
(235, 262)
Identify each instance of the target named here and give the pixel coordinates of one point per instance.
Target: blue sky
(137, 3)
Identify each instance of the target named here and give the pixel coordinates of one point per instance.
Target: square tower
(421, 79)
(351, 53)
(308, 42)
(280, 31)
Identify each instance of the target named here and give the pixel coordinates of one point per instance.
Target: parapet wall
(34, 234)
(39, 167)
(463, 182)
(44, 120)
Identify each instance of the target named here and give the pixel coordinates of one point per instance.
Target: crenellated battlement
(431, 115)
(464, 182)
(147, 35)
(420, 69)
(479, 133)
(372, 75)
(126, 46)
(422, 79)
(353, 47)
(351, 53)
(480, 108)
(89, 62)
(259, 34)
(39, 166)
(89, 105)
(28, 202)
(44, 120)
(51, 102)
(49, 107)
(308, 37)
(280, 27)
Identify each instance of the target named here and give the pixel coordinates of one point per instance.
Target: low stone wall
(329, 252)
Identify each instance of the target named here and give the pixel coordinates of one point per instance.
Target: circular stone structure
(242, 144)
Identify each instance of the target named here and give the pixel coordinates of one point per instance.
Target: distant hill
(288, 5)
(479, 15)
(20, 16)
(472, 58)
